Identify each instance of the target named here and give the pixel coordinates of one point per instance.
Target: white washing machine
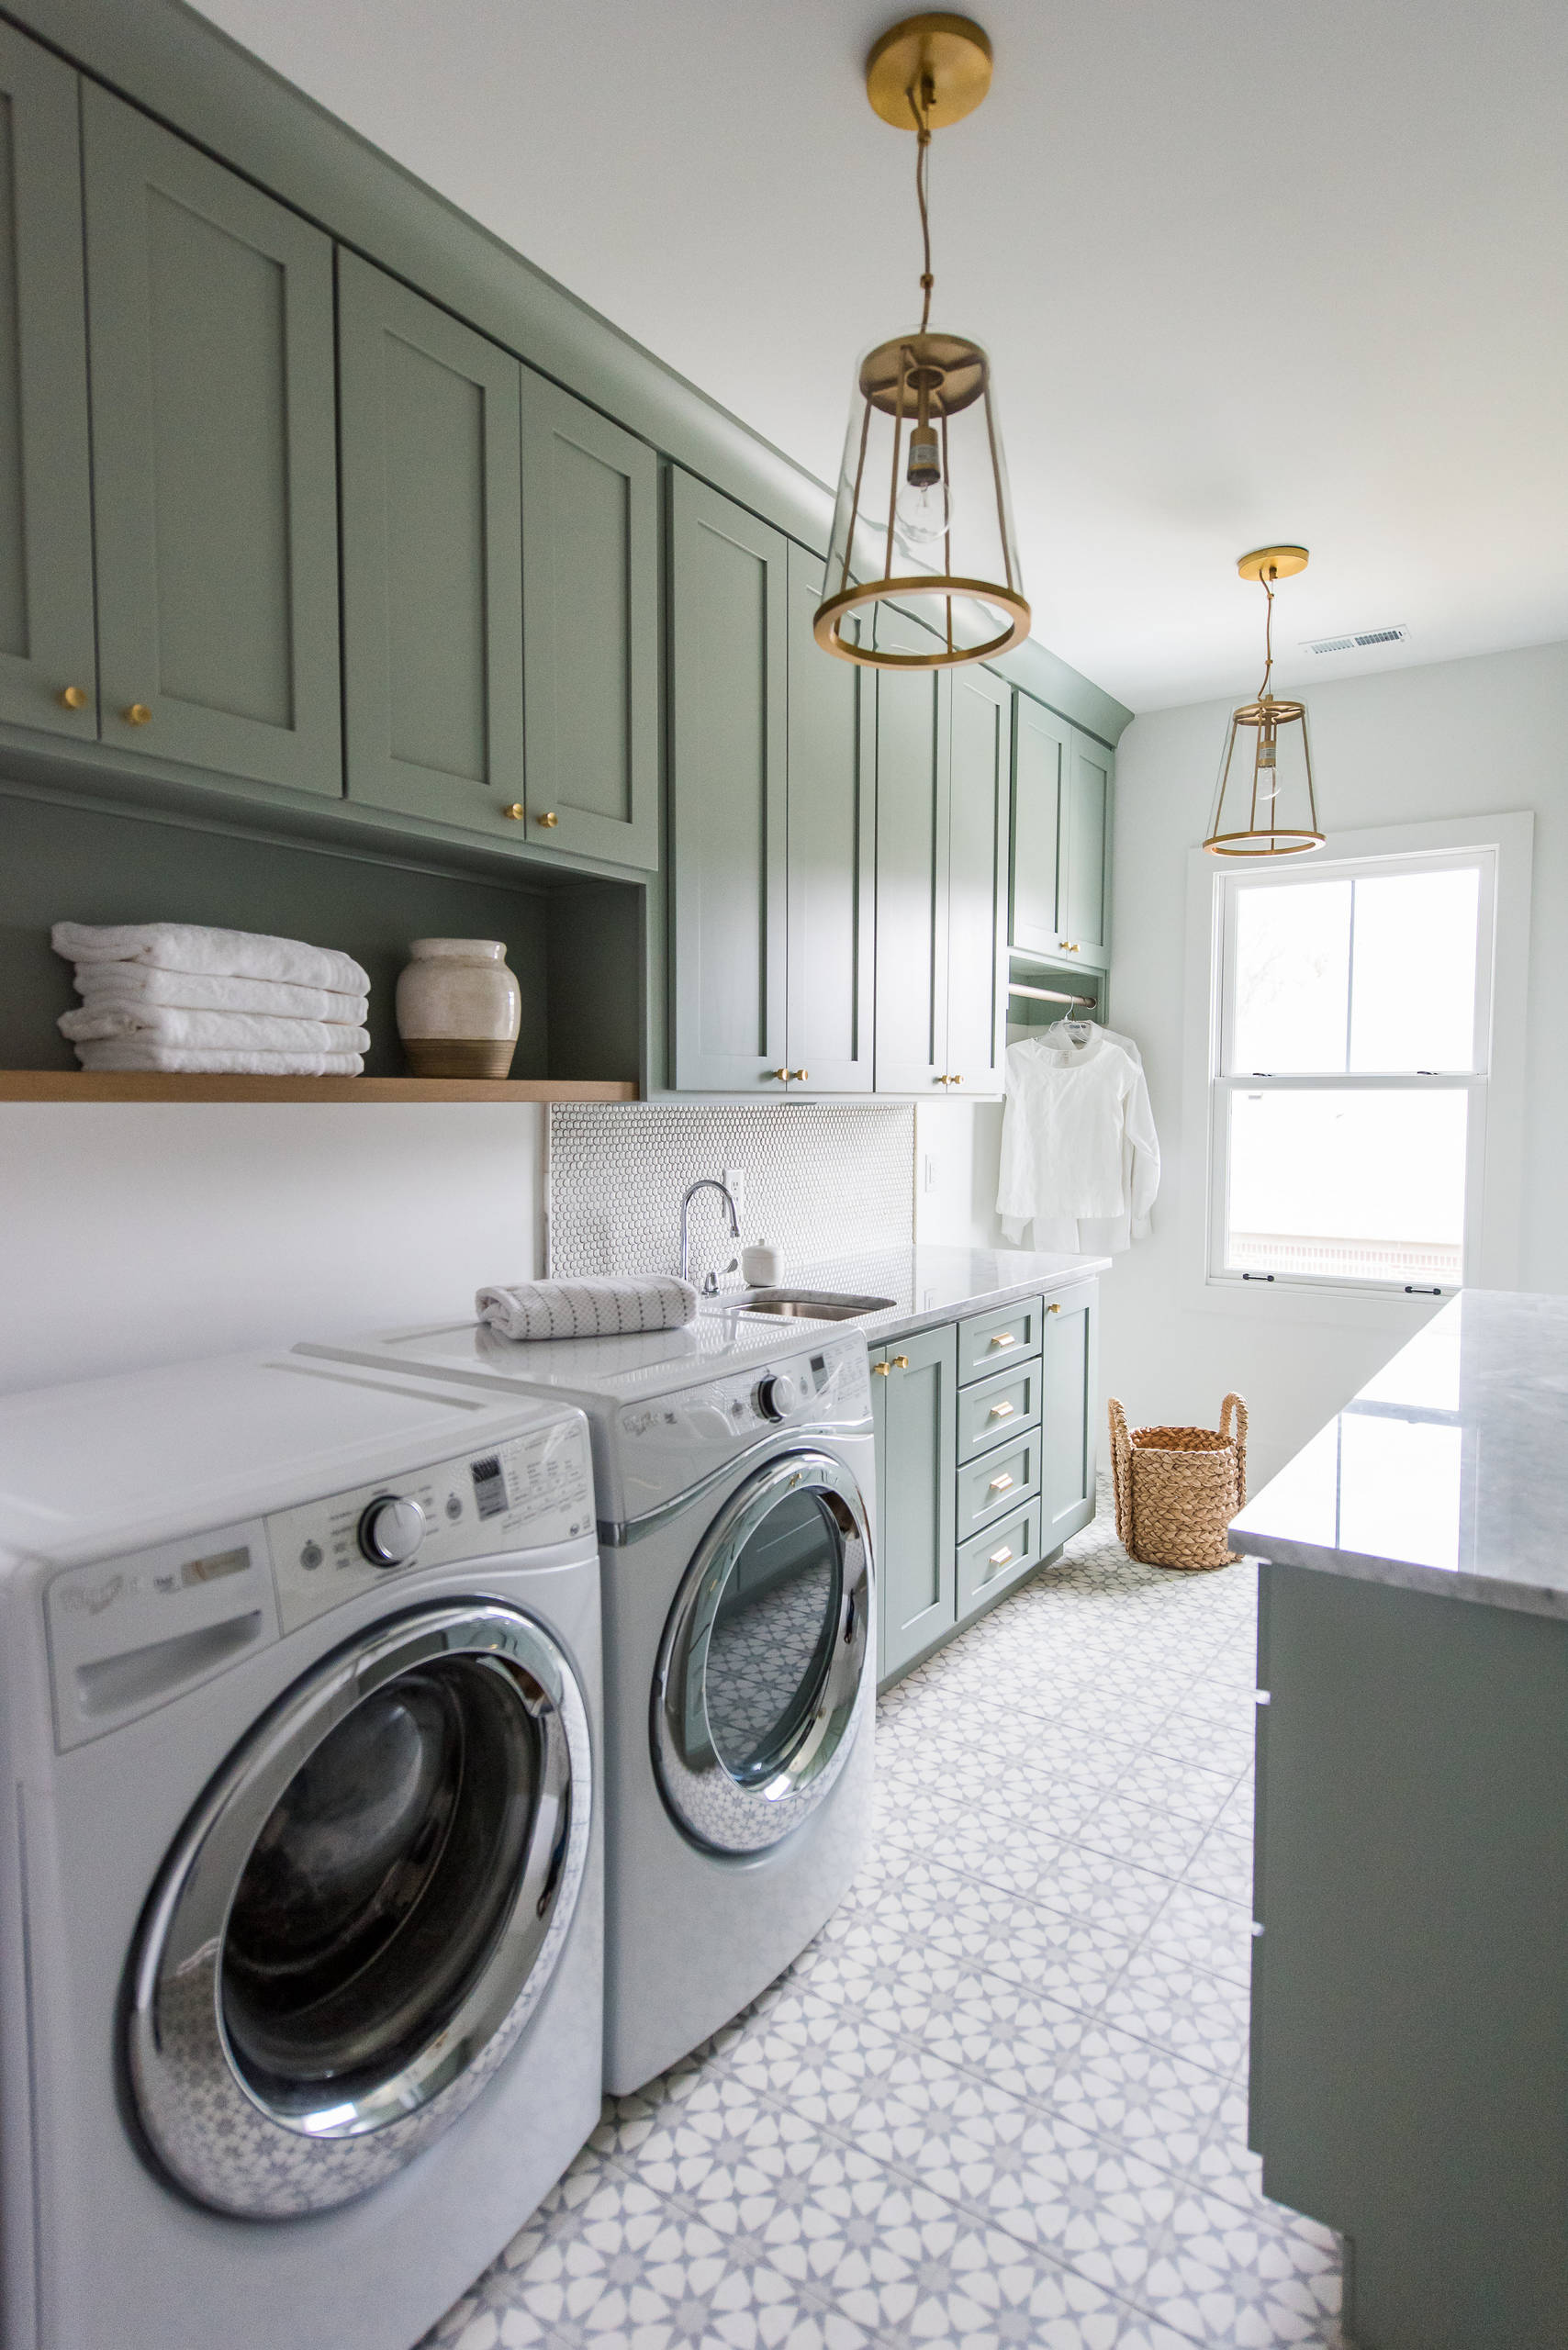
(734, 1467)
(300, 1854)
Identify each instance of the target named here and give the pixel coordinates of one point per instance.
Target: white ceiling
(1249, 270)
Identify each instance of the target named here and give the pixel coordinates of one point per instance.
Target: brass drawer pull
(1002, 1411)
(1005, 1339)
(71, 697)
(517, 811)
(1000, 1557)
(137, 713)
(999, 1484)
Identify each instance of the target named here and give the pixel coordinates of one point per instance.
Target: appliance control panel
(524, 1494)
(669, 1441)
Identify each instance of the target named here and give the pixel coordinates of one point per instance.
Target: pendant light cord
(1268, 635)
(919, 108)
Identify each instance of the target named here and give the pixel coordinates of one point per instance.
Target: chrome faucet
(704, 1183)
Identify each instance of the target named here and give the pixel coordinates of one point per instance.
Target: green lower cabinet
(995, 1484)
(1070, 1367)
(912, 1387)
(995, 1409)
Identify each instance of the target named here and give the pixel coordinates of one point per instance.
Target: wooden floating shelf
(150, 1085)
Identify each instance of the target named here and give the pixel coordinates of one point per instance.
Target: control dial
(777, 1395)
(391, 1530)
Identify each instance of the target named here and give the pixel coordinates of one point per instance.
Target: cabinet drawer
(989, 1562)
(995, 1409)
(995, 1484)
(988, 1341)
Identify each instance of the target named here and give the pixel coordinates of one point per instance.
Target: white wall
(1456, 740)
(136, 1234)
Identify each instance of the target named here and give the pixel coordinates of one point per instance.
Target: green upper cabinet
(1084, 876)
(46, 514)
(832, 848)
(432, 559)
(1041, 749)
(590, 610)
(979, 768)
(209, 317)
(728, 721)
(913, 774)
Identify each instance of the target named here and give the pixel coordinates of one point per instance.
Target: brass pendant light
(924, 514)
(1266, 768)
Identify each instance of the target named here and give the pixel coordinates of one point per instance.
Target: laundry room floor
(1001, 2100)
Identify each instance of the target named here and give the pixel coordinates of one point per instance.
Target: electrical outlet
(735, 1183)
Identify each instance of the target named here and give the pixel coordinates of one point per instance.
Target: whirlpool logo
(92, 1598)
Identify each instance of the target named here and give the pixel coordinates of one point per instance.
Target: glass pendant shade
(924, 515)
(1265, 804)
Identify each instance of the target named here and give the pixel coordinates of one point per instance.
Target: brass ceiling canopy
(924, 514)
(950, 56)
(1265, 804)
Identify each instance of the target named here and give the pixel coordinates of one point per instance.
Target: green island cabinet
(943, 758)
(985, 1462)
(500, 586)
(771, 792)
(1060, 874)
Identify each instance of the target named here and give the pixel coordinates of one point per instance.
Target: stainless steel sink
(813, 1304)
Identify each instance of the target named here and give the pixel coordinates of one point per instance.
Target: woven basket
(1176, 1489)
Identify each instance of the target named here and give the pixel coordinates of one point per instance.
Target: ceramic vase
(459, 1007)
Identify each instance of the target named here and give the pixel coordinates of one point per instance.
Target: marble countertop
(1446, 1473)
(929, 1285)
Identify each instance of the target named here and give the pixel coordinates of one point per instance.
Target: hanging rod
(1049, 995)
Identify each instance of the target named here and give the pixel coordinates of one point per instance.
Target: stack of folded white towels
(170, 995)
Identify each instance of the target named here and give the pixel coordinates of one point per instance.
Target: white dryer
(735, 1475)
(300, 1854)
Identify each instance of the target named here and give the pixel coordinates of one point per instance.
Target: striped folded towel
(587, 1309)
(192, 946)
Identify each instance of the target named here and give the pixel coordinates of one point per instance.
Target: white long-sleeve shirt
(1080, 1154)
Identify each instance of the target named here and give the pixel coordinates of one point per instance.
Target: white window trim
(1492, 1253)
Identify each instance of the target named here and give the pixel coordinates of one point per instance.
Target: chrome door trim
(206, 2124)
(715, 1809)
(615, 1533)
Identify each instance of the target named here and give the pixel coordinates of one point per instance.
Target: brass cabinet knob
(800, 1076)
(781, 1074)
(1054, 1308)
(882, 1369)
(1068, 948)
(548, 820)
(955, 1080)
(137, 713)
(900, 1362)
(517, 811)
(71, 697)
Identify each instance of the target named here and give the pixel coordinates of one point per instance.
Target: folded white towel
(235, 1032)
(100, 983)
(587, 1309)
(132, 1053)
(189, 947)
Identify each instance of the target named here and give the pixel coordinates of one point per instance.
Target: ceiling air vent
(1361, 642)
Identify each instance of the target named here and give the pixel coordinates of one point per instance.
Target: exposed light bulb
(924, 508)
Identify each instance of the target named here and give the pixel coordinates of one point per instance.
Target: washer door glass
(764, 1663)
(359, 1919)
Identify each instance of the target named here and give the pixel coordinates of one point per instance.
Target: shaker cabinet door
(46, 514)
(982, 723)
(1041, 751)
(210, 316)
(728, 718)
(1069, 1387)
(912, 864)
(918, 1481)
(832, 847)
(432, 559)
(590, 601)
(1082, 886)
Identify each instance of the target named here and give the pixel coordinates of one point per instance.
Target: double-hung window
(1351, 1068)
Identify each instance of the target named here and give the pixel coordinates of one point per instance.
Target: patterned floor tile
(1000, 2102)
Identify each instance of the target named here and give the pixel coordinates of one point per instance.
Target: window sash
(1226, 1081)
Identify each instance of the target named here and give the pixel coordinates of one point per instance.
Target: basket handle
(1234, 1406)
(1121, 1472)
